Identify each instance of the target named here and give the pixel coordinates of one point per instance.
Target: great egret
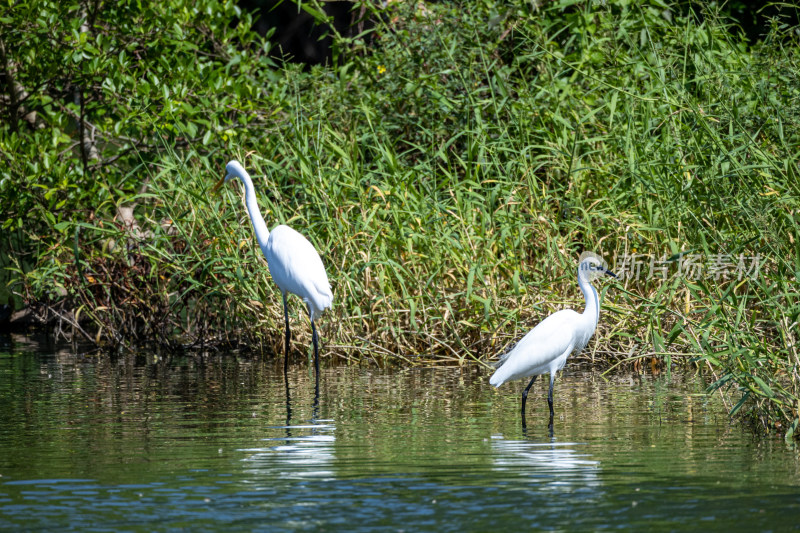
(546, 347)
(293, 262)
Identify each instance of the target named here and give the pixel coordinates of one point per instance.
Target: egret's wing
(549, 338)
(297, 267)
(548, 341)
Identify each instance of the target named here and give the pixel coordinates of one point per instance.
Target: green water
(89, 444)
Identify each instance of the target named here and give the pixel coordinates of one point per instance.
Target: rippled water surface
(138, 444)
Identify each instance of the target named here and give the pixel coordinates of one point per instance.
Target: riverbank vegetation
(450, 163)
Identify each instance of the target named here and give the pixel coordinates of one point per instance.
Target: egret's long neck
(260, 227)
(592, 312)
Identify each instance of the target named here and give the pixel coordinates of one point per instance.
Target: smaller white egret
(546, 347)
(293, 262)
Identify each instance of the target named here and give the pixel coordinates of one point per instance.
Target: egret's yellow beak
(216, 187)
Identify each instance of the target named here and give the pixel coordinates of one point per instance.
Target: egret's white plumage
(297, 268)
(294, 263)
(546, 347)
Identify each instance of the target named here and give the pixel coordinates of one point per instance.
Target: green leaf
(740, 403)
(319, 16)
(764, 387)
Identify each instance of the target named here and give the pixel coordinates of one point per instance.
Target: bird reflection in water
(560, 466)
(299, 450)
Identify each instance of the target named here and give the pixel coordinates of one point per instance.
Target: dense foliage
(450, 165)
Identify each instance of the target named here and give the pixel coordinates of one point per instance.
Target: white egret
(546, 347)
(293, 262)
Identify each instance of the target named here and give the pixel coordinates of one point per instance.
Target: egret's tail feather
(500, 374)
(498, 378)
(320, 301)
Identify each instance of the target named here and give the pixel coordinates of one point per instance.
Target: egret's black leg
(525, 398)
(287, 339)
(550, 396)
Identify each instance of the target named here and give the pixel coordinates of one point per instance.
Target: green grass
(451, 173)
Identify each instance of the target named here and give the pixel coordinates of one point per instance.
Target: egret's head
(234, 169)
(592, 266)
